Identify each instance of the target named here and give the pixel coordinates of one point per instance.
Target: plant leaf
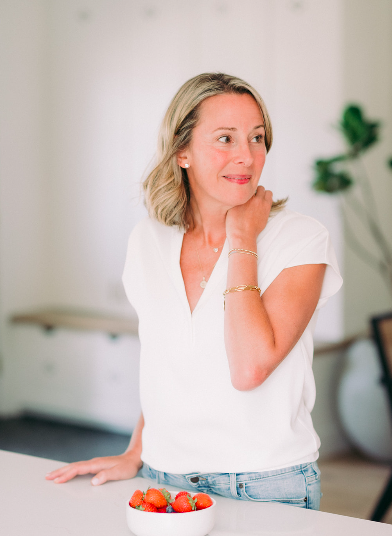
(359, 132)
(330, 180)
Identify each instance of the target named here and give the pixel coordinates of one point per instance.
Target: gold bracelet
(240, 288)
(245, 251)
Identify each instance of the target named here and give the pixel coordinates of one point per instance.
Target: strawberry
(181, 493)
(202, 501)
(136, 499)
(166, 494)
(155, 497)
(162, 510)
(147, 507)
(184, 503)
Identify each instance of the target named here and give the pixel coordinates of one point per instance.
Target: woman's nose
(243, 154)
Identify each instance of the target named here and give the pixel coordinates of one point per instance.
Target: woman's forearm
(261, 331)
(249, 336)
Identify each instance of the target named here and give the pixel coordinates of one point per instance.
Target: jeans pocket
(287, 488)
(313, 487)
(311, 472)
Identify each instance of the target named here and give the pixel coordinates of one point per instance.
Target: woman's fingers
(70, 473)
(72, 467)
(127, 467)
(249, 219)
(110, 468)
(264, 197)
(58, 472)
(118, 472)
(79, 468)
(101, 478)
(263, 193)
(114, 473)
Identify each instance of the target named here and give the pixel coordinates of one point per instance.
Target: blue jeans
(298, 485)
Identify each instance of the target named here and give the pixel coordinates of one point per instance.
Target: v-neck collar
(169, 244)
(220, 270)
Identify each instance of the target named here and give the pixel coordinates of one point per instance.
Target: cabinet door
(85, 377)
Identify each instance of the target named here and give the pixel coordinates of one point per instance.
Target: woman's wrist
(242, 243)
(135, 456)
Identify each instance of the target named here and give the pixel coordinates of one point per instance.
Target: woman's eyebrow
(233, 128)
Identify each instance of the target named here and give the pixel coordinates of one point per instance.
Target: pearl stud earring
(187, 165)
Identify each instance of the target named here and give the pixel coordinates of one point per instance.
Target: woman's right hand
(119, 467)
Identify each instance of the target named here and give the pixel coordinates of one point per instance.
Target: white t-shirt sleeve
(133, 265)
(295, 240)
(320, 251)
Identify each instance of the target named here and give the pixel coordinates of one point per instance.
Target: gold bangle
(240, 288)
(245, 251)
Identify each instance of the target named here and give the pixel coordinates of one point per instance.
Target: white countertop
(32, 506)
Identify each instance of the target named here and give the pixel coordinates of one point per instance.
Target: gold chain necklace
(203, 282)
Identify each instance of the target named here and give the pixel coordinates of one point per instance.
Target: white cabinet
(85, 377)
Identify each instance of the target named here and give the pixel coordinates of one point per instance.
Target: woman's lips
(238, 179)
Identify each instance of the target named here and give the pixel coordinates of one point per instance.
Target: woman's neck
(209, 225)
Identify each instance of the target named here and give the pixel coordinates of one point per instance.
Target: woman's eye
(259, 138)
(224, 139)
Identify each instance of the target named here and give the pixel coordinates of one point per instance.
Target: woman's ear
(182, 159)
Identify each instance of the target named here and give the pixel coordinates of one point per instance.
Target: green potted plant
(339, 174)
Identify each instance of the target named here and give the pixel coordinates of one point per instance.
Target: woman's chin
(239, 198)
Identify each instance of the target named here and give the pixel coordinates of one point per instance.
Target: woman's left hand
(245, 222)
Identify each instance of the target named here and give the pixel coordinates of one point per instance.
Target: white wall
(308, 97)
(89, 82)
(24, 267)
(115, 66)
(368, 81)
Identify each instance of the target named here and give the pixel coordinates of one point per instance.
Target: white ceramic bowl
(195, 523)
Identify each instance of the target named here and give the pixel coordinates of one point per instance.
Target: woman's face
(227, 153)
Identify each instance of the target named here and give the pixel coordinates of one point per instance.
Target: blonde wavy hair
(166, 189)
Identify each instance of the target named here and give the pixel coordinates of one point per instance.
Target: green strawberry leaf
(167, 495)
(192, 502)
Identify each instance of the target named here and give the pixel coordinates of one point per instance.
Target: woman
(226, 284)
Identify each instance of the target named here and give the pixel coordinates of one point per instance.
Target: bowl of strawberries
(185, 513)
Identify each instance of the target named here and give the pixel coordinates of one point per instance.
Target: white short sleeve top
(195, 420)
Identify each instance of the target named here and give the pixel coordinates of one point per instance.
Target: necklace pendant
(203, 283)
(216, 250)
